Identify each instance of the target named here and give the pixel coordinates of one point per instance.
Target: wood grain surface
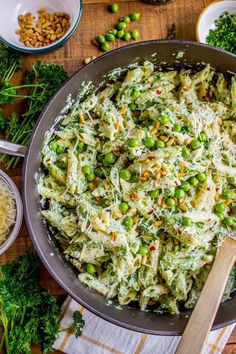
(96, 20)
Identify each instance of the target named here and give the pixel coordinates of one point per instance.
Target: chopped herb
(78, 323)
(224, 34)
(171, 32)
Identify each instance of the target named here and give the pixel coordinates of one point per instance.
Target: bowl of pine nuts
(38, 26)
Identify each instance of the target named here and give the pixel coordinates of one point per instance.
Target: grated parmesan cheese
(7, 210)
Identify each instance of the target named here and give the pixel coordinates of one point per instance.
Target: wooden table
(96, 20)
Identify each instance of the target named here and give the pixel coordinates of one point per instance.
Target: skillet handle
(12, 149)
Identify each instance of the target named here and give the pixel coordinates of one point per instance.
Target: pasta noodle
(140, 184)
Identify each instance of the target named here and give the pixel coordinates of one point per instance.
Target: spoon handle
(202, 318)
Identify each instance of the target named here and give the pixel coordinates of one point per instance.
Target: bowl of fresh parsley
(216, 25)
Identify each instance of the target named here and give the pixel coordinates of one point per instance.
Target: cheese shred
(7, 210)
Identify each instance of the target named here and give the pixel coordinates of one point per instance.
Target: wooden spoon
(202, 318)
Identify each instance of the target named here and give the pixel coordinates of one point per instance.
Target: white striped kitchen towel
(102, 337)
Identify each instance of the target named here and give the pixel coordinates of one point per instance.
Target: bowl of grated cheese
(11, 211)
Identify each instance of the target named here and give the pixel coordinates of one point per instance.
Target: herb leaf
(41, 82)
(78, 323)
(224, 34)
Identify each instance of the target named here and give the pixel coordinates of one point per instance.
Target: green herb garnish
(28, 313)
(171, 32)
(224, 35)
(40, 83)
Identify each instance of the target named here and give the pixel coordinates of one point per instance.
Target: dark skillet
(131, 318)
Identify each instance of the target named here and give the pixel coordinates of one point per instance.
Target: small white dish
(210, 14)
(19, 213)
(11, 9)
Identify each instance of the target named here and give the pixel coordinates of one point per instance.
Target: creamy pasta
(139, 183)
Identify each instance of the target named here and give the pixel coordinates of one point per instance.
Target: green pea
(135, 34)
(195, 144)
(53, 145)
(128, 221)
(136, 94)
(113, 31)
(231, 180)
(89, 268)
(86, 169)
(177, 128)
(125, 174)
(101, 39)
(110, 37)
(81, 147)
(66, 213)
(201, 177)
(105, 163)
(127, 36)
(120, 34)
(133, 142)
(90, 176)
(124, 207)
(202, 137)
(220, 216)
(186, 186)
(185, 153)
(125, 19)
(154, 193)
(228, 221)
(164, 119)
(121, 26)
(220, 207)
(170, 202)
(143, 250)
(98, 172)
(179, 193)
(187, 222)
(110, 158)
(135, 16)
(132, 107)
(227, 195)
(113, 8)
(150, 142)
(160, 144)
(105, 47)
(193, 181)
(100, 157)
(60, 149)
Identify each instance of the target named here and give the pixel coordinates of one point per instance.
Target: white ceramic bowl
(212, 12)
(19, 212)
(11, 9)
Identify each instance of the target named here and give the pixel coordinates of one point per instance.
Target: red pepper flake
(158, 92)
(229, 212)
(180, 232)
(152, 248)
(208, 188)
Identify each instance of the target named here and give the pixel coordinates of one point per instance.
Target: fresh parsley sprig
(224, 33)
(28, 313)
(40, 83)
